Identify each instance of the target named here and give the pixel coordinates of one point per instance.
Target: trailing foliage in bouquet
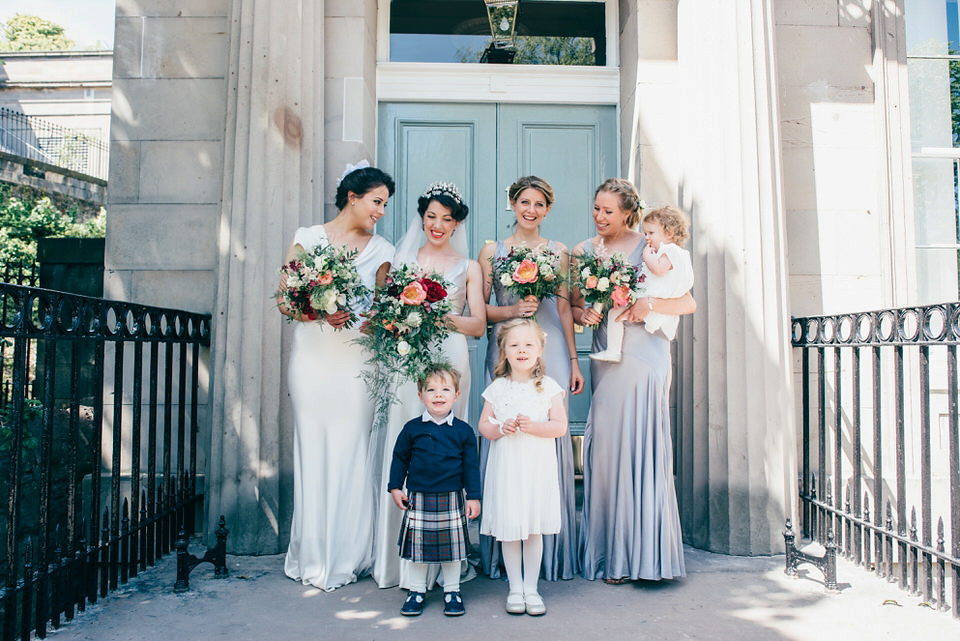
(407, 327)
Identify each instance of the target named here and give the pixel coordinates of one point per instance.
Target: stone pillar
(272, 184)
(737, 461)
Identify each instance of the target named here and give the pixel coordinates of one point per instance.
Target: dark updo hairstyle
(447, 195)
(628, 198)
(360, 181)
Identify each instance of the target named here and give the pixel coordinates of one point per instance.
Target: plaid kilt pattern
(434, 528)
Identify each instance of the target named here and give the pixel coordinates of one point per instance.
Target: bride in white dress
(434, 242)
(332, 531)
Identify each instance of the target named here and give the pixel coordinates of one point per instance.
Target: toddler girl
(522, 416)
(669, 274)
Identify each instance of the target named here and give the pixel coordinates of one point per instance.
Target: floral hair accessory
(349, 169)
(438, 188)
(641, 204)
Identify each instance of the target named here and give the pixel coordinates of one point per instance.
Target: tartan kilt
(434, 528)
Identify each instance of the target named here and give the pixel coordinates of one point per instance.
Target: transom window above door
(547, 32)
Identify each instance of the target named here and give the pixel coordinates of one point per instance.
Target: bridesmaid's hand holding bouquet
(608, 280)
(322, 283)
(531, 274)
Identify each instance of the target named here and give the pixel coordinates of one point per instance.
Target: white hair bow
(349, 169)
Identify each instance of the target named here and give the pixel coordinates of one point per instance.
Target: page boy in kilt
(436, 454)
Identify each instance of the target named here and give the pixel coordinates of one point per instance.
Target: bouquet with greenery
(608, 280)
(529, 271)
(321, 281)
(407, 327)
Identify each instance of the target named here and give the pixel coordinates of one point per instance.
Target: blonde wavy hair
(627, 195)
(502, 370)
(531, 182)
(674, 222)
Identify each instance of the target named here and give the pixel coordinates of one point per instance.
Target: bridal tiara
(438, 188)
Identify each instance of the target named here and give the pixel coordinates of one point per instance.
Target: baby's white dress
(674, 284)
(521, 491)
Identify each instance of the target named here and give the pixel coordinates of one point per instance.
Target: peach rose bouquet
(529, 271)
(406, 329)
(323, 281)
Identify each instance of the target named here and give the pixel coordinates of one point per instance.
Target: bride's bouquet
(407, 327)
(323, 280)
(608, 280)
(529, 271)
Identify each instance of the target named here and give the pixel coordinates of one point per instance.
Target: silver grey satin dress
(630, 526)
(560, 559)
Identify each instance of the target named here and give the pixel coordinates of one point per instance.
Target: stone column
(737, 461)
(273, 183)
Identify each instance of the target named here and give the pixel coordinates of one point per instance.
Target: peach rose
(526, 272)
(413, 294)
(591, 281)
(325, 279)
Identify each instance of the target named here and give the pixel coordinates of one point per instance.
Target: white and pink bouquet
(529, 272)
(322, 281)
(407, 327)
(608, 280)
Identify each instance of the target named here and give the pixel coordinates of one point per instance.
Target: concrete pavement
(723, 597)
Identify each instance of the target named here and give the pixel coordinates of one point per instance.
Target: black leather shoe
(413, 606)
(453, 604)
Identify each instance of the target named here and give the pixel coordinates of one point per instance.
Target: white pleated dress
(521, 490)
(332, 531)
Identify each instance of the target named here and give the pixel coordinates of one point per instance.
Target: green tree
(33, 33)
(542, 50)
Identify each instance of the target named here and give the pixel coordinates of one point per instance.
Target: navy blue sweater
(436, 458)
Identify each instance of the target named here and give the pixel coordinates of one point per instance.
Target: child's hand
(400, 499)
(523, 423)
(509, 426)
(473, 508)
(649, 253)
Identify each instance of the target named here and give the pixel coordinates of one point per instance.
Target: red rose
(435, 290)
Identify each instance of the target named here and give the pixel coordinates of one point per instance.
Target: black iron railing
(47, 142)
(879, 391)
(100, 469)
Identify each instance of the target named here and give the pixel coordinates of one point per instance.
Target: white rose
(341, 299)
(328, 301)
(293, 281)
(547, 272)
(403, 348)
(414, 319)
(505, 279)
(603, 284)
(585, 273)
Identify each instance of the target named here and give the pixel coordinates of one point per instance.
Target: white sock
(451, 576)
(512, 552)
(417, 577)
(532, 557)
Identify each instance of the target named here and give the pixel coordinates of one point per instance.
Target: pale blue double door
(483, 148)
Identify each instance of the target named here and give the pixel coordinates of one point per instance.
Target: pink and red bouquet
(322, 281)
(608, 280)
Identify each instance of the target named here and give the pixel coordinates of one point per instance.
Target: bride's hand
(337, 319)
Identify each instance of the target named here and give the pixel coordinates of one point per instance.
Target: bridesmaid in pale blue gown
(532, 198)
(630, 528)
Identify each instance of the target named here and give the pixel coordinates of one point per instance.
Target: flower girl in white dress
(523, 414)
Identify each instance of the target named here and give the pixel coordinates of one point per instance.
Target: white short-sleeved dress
(675, 283)
(521, 489)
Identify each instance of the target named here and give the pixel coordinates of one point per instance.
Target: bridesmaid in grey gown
(532, 198)
(630, 528)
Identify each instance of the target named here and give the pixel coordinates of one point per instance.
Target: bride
(434, 242)
(332, 529)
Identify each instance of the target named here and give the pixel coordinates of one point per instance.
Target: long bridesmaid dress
(630, 526)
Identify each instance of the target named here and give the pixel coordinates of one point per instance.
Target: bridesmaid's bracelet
(573, 358)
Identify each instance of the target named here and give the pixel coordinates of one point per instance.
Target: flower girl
(522, 414)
